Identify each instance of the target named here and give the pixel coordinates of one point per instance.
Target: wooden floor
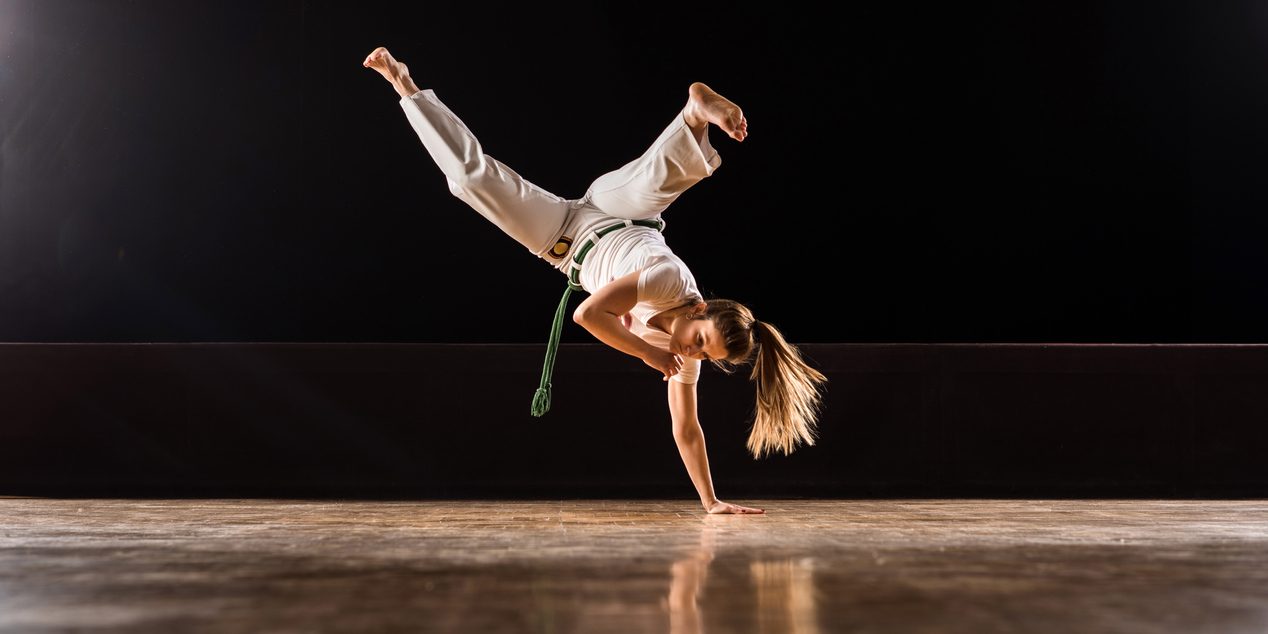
(807, 566)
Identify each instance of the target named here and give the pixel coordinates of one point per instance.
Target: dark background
(917, 172)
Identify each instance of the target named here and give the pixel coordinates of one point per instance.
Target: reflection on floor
(807, 566)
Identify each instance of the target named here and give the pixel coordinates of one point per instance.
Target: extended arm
(691, 446)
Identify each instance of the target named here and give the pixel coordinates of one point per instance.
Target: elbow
(588, 314)
(687, 433)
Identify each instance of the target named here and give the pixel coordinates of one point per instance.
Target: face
(697, 339)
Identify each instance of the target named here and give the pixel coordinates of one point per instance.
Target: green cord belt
(541, 398)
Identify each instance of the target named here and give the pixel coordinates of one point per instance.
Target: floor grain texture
(807, 566)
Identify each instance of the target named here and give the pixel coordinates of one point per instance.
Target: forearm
(695, 457)
(608, 328)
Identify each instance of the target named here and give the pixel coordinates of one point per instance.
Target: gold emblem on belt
(561, 248)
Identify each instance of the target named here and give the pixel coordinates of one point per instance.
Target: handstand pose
(643, 299)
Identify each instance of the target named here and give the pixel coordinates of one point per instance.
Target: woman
(643, 299)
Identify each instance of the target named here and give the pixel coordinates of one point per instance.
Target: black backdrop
(945, 172)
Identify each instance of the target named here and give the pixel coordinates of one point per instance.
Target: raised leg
(679, 158)
(524, 211)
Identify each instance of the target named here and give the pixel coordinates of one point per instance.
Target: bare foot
(393, 71)
(706, 106)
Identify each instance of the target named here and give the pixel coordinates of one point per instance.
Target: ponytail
(788, 390)
(788, 395)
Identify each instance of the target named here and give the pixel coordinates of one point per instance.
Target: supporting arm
(691, 446)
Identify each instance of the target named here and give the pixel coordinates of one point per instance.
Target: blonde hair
(789, 391)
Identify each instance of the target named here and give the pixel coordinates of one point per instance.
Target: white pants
(536, 218)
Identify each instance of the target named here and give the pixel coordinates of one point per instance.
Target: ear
(697, 310)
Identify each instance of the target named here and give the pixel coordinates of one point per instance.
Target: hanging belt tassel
(541, 398)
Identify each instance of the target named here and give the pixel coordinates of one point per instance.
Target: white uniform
(550, 226)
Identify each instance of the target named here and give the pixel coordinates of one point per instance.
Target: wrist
(646, 350)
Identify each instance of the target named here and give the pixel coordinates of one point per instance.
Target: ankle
(695, 119)
(404, 86)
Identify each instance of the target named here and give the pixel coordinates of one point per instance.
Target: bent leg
(679, 158)
(644, 187)
(524, 211)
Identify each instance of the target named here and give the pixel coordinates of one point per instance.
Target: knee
(460, 181)
(469, 177)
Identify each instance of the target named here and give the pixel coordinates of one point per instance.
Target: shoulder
(666, 278)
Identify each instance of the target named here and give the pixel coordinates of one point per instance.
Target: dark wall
(442, 420)
(227, 171)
